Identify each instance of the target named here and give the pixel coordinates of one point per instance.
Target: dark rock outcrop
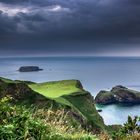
(99, 110)
(29, 68)
(118, 94)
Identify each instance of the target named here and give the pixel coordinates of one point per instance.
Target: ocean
(95, 74)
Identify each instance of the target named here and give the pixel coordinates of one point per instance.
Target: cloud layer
(69, 20)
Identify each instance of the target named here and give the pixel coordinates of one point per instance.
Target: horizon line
(68, 56)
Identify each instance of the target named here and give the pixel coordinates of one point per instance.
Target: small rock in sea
(99, 110)
(29, 68)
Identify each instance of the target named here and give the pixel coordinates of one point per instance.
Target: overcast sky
(70, 27)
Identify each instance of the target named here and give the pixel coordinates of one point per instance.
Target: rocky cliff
(118, 94)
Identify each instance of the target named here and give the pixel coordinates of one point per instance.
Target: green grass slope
(69, 93)
(18, 122)
(57, 88)
(7, 80)
(72, 94)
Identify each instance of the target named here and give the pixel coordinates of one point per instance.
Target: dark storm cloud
(86, 18)
(36, 22)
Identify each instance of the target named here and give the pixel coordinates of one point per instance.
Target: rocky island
(29, 68)
(118, 94)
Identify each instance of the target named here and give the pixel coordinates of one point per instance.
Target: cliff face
(68, 94)
(85, 106)
(118, 94)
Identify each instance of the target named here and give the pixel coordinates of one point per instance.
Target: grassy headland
(72, 94)
(67, 95)
(60, 110)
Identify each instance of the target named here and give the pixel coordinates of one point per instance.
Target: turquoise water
(95, 73)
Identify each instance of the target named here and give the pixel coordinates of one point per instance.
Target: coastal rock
(29, 68)
(118, 94)
(99, 110)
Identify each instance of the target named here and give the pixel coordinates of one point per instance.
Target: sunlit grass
(56, 89)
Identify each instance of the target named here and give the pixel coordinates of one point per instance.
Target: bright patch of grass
(64, 101)
(56, 89)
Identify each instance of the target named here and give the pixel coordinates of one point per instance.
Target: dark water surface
(95, 73)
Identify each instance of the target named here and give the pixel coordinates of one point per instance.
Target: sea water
(95, 74)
